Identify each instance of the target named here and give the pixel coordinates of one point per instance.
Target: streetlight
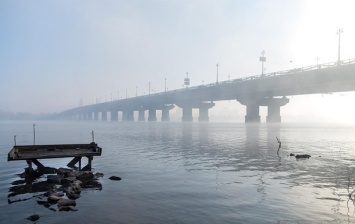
(149, 89)
(126, 93)
(339, 32)
(262, 59)
(165, 85)
(136, 91)
(187, 80)
(217, 72)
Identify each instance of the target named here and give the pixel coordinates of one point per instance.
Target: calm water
(195, 173)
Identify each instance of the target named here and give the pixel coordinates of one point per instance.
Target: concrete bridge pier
(187, 114)
(104, 116)
(273, 110)
(124, 115)
(165, 112)
(127, 115)
(130, 116)
(273, 104)
(96, 115)
(114, 115)
(203, 111)
(141, 115)
(252, 113)
(152, 116)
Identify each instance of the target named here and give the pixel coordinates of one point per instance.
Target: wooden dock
(31, 153)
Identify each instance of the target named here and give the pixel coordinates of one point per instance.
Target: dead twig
(278, 140)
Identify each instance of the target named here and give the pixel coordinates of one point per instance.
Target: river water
(194, 173)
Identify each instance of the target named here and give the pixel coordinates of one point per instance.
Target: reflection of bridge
(263, 90)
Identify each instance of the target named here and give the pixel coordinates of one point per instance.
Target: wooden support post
(88, 167)
(74, 161)
(29, 162)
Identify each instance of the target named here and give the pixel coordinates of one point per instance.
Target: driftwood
(278, 140)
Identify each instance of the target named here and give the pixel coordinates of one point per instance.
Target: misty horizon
(59, 56)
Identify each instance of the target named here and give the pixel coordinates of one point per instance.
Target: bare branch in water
(278, 140)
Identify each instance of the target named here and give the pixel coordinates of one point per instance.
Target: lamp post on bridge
(149, 89)
(217, 73)
(339, 32)
(262, 59)
(187, 80)
(165, 85)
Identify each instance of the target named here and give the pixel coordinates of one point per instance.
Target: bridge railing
(295, 70)
(272, 74)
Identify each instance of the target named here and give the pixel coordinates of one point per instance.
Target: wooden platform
(26, 152)
(31, 153)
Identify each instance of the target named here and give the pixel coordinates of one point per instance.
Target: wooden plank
(25, 152)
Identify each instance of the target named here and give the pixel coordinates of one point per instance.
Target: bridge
(268, 90)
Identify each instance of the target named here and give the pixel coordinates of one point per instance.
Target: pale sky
(55, 53)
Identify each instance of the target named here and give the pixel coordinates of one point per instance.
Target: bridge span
(270, 90)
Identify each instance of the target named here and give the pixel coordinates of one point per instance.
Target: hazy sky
(54, 53)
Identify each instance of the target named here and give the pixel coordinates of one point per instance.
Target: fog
(57, 55)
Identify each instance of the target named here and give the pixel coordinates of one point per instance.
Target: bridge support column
(273, 104)
(187, 114)
(165, 112)
(104, 116)
(128, 114)
(203, 111)
(273, 110)
(152, 115)
(141, 115)
(96, 116)
(114, 115)
(252, 113)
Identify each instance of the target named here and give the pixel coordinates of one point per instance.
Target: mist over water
(195, 172)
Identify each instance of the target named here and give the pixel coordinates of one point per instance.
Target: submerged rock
(115, 178)
(64, 171)
(68, 208)
(97, 175)
(303, 156)
(33, 217)
(66, 202)
(53, 179)
(53, 199)
(47, 170)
